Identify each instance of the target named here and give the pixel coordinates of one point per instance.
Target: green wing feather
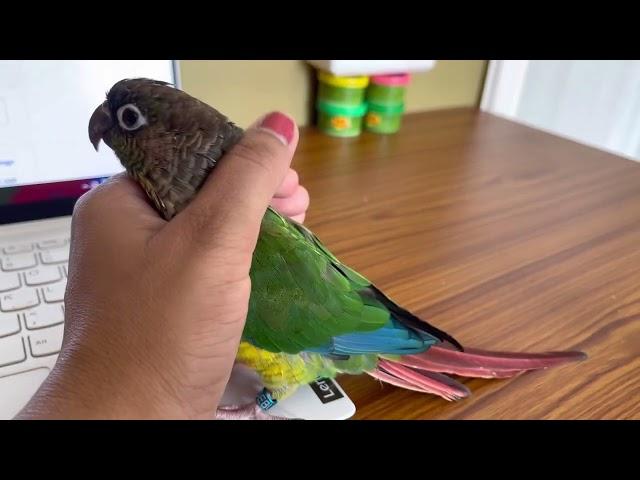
(302, 296)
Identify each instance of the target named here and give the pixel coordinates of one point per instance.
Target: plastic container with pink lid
(388, 89)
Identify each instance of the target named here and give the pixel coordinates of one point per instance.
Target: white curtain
(595, 102)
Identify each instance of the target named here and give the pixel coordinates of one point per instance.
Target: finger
(111, 217)
(119, 200)
(299, 218)
(294, 205)
(288, 185)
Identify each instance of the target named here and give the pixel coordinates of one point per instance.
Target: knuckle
(99, 198)
(295, 176)
(87, 204)
(306, 198)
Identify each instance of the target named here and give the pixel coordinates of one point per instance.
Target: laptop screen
(46, 159)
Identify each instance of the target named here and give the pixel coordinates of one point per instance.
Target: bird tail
(425, 372)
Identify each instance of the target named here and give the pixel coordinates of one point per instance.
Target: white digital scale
(320, 400)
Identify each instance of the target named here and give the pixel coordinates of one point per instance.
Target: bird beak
(99, 124)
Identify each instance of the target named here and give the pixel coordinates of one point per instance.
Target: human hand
(155, 309)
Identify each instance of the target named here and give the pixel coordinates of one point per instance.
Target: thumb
(230, 206)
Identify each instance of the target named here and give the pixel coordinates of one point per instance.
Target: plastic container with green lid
(384, 118)
(340, 120)
(342, 90)
(388, 89)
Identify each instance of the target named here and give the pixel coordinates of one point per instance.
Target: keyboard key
(52, 243)
(18, 262)
(18, 248)
(19, 300)
(12, 351)
(44, 316)
(58, 255)
(9, 324)
(18, 388)
(42, 275)
(9, 281)
(46, 341)
(54, 293)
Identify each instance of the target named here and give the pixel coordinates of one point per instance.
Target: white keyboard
(33, 279)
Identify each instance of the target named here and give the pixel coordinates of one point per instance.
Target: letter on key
(19, 300)
(11, 263)
(46, 341)
(44, 316)
(58, 255)
(41, 275)
(54, 293)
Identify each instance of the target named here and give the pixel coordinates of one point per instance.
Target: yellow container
(347, 91)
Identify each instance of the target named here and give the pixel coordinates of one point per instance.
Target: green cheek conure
(309, 314)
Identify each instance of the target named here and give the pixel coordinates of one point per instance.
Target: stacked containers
(385, 98)
(341, 104)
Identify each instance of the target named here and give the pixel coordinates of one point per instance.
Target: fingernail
(280, 125)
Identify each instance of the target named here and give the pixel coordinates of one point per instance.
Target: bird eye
(130, 118)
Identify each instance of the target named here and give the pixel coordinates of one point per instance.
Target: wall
(595, 102)
(452, 83)
(244, 90)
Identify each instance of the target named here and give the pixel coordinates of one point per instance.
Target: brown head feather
(178, 142)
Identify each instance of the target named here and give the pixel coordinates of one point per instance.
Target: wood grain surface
(506, 237)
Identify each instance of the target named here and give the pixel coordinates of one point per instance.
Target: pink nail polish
(279, 124)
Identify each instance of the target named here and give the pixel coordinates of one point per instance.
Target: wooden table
(506, 237)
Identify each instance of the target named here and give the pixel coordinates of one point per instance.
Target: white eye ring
(139, 122)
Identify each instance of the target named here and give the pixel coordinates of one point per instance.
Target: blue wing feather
(393, 339)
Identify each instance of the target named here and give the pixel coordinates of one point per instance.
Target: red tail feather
(427, 382)
(484, 364)
(423, 372)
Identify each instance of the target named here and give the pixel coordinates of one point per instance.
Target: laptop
(46, 164)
